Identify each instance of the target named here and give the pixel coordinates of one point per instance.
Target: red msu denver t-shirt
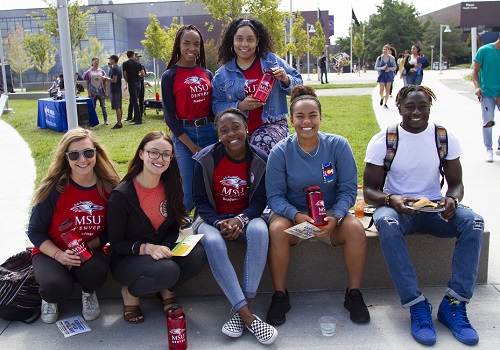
(253, 76)
(192, 89)
(85, 207)
(229, 187)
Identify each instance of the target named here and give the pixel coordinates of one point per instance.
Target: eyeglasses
(87, 153)
(156, 155)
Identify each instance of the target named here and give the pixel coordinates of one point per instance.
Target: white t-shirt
(415, 168)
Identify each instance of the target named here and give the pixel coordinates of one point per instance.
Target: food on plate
(424, 202)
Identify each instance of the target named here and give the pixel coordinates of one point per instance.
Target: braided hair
(248, 149)
(176, 49)
(403, 93)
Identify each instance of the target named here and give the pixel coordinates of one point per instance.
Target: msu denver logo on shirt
(198, 87)
(86, 207)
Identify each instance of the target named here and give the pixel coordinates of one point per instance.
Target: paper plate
(438, 209)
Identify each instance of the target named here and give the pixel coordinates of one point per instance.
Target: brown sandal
(133, 314)
(167, 303)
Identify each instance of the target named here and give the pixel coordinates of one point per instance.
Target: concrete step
(316, 266)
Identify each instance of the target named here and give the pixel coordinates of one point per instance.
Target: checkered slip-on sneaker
(265, 333)
(234, 327)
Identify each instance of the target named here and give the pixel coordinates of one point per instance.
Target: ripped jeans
(466, 226)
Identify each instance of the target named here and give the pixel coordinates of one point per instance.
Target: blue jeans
(466, 226)
(488, 108)
(256, 237)
(413, 79)
(202, 136)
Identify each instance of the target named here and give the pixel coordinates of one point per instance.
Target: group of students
(229, 167)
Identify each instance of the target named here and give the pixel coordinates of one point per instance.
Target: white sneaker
(489, 156)
(497, 152)
(50, 313)
(90, 306)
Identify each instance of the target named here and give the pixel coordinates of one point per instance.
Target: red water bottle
(316, 205)
(157, 97)
(176, 328)
(265, 85)
(74, 241)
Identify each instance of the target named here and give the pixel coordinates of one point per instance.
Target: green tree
(318, 40)
(155, 42)
(454, 49)
(170, 39)
(95, 49)
(300, 40)
(78, 22)
(211, 55)
(267, 11)
(395, 23)
(358, 47)
(41, 47)
(18, 58)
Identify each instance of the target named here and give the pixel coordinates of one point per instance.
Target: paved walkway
(389, 328)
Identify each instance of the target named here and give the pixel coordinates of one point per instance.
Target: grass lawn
(349, 116)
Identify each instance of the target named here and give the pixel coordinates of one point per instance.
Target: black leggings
(56, 281)
(144, 275)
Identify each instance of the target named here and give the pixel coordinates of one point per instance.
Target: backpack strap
(442, 148)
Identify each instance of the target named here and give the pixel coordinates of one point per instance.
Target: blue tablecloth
(52, 113)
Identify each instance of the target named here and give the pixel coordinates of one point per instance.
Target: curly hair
(303, 92)
(405, 90)
(176, 49)
(59, 170)
(226, 51)
(171, 178)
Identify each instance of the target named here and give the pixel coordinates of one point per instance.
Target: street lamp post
(310, 30)
(446, 30)
(432, 57)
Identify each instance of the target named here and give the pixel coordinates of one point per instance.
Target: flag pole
(350, 57)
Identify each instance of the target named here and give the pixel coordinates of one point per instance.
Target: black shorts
(116, 100)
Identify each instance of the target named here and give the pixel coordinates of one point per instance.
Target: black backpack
(19, 298)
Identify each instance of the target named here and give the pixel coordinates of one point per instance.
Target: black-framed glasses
(87, 153)
(156, 155)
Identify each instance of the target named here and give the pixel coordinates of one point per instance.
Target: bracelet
(144, 250)
(59, 250)
(455, 199)
(388, 200)
(241, 220)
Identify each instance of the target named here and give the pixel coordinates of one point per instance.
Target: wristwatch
(339, 218)
(455, 199)
(243, 219)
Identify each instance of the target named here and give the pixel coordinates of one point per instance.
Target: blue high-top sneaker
(422, 328)
(453, 314)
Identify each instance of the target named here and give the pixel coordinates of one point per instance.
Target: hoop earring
(257, 50)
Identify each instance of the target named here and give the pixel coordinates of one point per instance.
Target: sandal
(167, 303)
(133, 314)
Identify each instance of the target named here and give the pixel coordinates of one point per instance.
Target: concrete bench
(315, 266)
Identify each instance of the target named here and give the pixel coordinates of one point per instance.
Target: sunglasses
(87, 153)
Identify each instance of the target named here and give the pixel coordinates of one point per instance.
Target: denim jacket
(229, 82)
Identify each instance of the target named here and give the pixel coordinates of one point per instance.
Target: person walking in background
(415, 64)
(141, 91)
(395, 55)
(115, 80)
(401, 63)
(132, 73)
(77, 187)
(486, 79)
(186, 89)
(386, 66)
(231, 211)
(413, 175)
(322, 64)
(313, 158)
(145, 213)
(96, 86)
(246, 53)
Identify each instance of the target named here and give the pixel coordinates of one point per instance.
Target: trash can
(435, 66)
(445, 65)
(82, 109)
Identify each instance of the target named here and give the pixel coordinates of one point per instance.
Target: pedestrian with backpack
(402, 166)
(77, 187)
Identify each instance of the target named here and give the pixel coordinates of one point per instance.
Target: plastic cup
(327, 324)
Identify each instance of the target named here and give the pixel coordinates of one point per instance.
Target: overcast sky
(339, 8)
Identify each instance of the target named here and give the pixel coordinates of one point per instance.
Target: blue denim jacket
(229, 82)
